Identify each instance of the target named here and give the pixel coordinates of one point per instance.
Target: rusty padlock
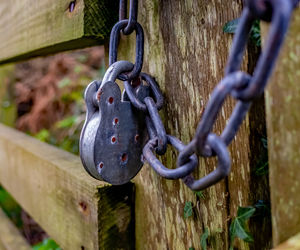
(113, 134)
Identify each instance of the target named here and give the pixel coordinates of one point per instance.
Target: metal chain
(127, 26)
(241, 86)
(133, 14)
(237, 84)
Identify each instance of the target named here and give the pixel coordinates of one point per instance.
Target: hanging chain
(237, 84)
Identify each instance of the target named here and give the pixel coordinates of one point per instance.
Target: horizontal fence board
(34, 28)
(76, 210)
(10, 237)
(291, 244)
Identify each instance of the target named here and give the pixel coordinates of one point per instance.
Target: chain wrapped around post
(239, 85)
(146, 99)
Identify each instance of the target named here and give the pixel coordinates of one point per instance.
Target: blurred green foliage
(255, 36)
(64, 134)
(47, 244)
(10, 207)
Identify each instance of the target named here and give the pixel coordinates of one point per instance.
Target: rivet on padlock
(113, 134)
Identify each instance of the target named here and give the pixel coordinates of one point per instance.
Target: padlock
(113, 134)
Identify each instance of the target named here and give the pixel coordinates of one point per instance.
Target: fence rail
(51, 185)
(34, 28)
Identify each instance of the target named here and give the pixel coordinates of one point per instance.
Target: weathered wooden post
(186, 50)
(283, 122)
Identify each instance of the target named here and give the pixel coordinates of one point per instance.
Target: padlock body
(113, 135)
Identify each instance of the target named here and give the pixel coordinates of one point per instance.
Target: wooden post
(283, 122)
(186, 51)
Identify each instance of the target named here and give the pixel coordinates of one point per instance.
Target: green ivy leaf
(231, 26)
(255, 37)
(203, 239)
(255, 33)
(191, 248)
(264, 142)
(188, 209)
(238, 227)
(200, 194)
(244, 213)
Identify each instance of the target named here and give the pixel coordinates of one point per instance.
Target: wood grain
(39, 27)
(186, 51)
(292, 243)
(2, 246)
(10, 237)
(78, 212)
(283, 122)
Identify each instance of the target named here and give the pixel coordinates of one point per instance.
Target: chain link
(133, 13)
(237, 84)
(159, 100)
(113, 48)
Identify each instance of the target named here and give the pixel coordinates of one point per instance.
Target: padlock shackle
(115, 70)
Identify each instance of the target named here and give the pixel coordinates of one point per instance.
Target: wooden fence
(186, 50)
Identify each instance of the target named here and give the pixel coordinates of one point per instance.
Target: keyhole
(124, 158)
